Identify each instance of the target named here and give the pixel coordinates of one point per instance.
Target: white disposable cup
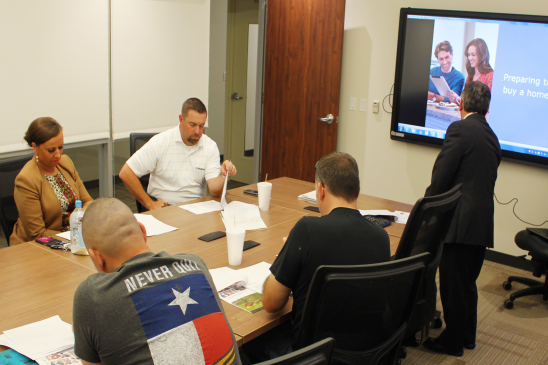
(235, 245)
(264, 188)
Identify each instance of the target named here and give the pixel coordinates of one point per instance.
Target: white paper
(241, 210)
(223, 196)
(401, 217)
(40, 338)
(225, 276)
(64, 235)
(248, 224)
(203, 207)
(377, 212)
(243, 215)
(308, 197)
(256, 275)
(153, 226)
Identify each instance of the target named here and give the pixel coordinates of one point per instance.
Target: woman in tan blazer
(47, 187)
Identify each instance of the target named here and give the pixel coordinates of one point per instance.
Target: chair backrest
(425, 231)
(9, 169)
(136, 141)
(365, 308)
(428, 224)
(318, 353)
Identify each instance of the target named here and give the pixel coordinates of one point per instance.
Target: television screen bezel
(395, 134)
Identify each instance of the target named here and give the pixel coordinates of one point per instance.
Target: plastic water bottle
(76, 241)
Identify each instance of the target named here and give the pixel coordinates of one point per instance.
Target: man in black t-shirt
(341, 236)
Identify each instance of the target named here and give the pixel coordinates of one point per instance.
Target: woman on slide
(477, 62)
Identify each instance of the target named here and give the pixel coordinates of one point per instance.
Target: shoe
(434, 346)
(470, 346)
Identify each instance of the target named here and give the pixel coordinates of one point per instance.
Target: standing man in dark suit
(471, 156)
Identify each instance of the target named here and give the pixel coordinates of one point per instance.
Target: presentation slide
(506, 56)
(519, 97)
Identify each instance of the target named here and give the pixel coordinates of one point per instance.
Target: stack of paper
(39, 339)
(153, 226)
(308, 197)
(242, 215)
(203, 207)
(398, 216)
(242, 288)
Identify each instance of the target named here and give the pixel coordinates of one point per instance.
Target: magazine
(242, 288)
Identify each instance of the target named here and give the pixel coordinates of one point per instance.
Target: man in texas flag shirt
(141, 307)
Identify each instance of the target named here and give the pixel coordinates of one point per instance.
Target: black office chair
(537, 246)
(9, 169)
(425, 231)
(136, 141)
(318, 353)
(365, 308)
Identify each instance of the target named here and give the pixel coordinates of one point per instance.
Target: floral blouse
(65, 194)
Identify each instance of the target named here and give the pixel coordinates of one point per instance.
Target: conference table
(38, 282)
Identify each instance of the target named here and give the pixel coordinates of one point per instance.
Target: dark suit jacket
(470, 155)
(40, 213)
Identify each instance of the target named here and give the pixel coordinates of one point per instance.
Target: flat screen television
(439, 51)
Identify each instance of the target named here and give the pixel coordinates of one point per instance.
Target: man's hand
(217, 184)
(228, 166)
(453, 96)
(131, 181)
(431, 95)
(157, 204)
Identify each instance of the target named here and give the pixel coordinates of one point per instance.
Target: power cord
(389, 100)
(514, 210)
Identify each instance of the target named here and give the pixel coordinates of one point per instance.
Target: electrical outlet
(352, 103)
(363, 105)
(376, 106)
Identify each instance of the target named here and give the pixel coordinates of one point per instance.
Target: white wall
(217, 65)
(160, 58)
(402, 171)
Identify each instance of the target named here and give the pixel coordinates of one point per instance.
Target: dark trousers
(460, 267)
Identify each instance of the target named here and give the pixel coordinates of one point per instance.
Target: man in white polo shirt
(180, 161)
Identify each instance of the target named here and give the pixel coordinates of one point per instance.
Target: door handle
(235, 96)
(329, 119)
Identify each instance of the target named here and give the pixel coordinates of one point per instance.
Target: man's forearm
(275, 295)
(216, 185)
(133, 184)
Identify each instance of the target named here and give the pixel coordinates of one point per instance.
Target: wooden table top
(285, 191)
(38, 282)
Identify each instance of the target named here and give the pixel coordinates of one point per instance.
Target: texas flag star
(182, 299)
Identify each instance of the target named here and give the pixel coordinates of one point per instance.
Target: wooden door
(301, 84)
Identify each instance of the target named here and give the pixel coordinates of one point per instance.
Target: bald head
(110, 228)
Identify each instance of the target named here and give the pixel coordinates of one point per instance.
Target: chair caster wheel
(508, 304)
(437, 322)
(507, 285)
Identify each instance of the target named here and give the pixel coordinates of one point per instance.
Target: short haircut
(108, 222)
(193, 104)
(443, 46)
(476, 97)
(339, 173)
(42, 130)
